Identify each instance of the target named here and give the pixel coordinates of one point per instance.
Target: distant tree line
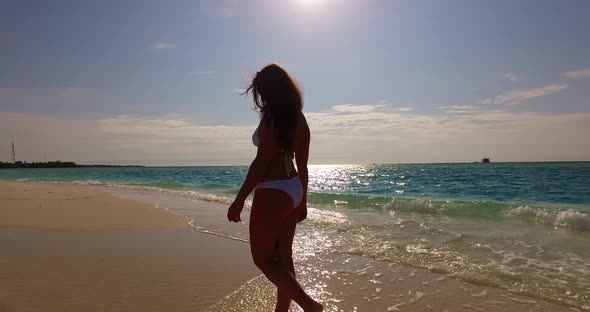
(48, 164)
(55, 164)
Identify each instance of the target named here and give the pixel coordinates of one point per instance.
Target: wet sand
(73, 248)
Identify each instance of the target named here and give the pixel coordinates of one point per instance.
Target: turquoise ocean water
(524, 227)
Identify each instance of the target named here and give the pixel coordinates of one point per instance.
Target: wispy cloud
(402, 109)
(356, 136)
(170, 128)
(125, 140)
(238, 90)
(511, 77)
(161, 45)
(518, 96)
(393, 137)
(577, 74)
(355, 109)
(460, 109)
(369, 108)
(465, 107)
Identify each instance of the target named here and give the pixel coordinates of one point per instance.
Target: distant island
(53, 164)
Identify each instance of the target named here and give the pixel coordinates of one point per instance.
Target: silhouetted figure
(280, 198)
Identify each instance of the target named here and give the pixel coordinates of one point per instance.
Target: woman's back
(281, 161)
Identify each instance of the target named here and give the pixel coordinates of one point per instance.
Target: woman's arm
(255, 173)
(301, 157)
(254, 176)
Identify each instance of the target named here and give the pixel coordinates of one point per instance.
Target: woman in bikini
(280, 197)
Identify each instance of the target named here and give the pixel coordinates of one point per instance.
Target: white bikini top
(255, 138)
(288, 156)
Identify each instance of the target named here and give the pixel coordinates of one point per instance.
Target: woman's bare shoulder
(302, 134)
(302, 125)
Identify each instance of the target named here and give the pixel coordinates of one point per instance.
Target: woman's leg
(285, 256)
(269, 209)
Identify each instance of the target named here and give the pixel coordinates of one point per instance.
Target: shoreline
(167, 267)
(131, 257)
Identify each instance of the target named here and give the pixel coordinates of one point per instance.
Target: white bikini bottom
(291, 186)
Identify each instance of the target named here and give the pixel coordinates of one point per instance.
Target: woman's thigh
(270, 208)
(285, 241)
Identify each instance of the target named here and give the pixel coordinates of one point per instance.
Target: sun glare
(311, 4)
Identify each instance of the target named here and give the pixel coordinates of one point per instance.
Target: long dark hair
(278, 99)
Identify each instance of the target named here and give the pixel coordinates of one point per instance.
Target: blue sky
(156, 82)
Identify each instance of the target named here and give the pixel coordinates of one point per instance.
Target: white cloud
(518, 96)
(169, 128)
(349, 108)
(577, 74)
(368, 108)
(161, 45)
(511, 77)
(395, 137)
(402, 109)
(460, 109)
(124, 140)
(342, 134)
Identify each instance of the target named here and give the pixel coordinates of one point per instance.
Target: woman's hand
(302, 211)
(233, 213)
